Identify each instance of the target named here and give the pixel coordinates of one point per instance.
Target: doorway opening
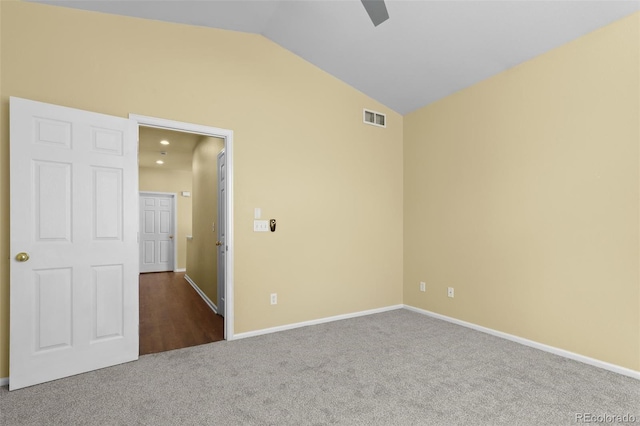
(181, 160)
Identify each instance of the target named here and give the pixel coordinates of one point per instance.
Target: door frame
(227, 136)
(174, 224)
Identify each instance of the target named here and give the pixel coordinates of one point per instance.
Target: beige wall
(152, 179)
(521, 192)
(202, 263)
(302, 153)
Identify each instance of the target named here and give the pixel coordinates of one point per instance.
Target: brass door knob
(171, 236)
(218, 243)
(22, 257)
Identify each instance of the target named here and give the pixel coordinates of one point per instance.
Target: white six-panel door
(157, 237)
(74, 250)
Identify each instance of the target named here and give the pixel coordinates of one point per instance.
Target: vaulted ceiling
(425, 51)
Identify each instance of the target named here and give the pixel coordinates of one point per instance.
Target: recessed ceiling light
(159, 162)
(164, 142)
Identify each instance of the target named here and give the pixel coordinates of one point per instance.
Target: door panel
(108, 292)
(148, 221)
(74, 300)
(52, 191)
(54, 295)
(165, 251)
(107, 206)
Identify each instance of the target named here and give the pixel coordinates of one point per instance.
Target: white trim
(4, 381)
(206, 299)
(316, 322)
(551, 349)
(180, 270)
(227, 135)
(174, 197)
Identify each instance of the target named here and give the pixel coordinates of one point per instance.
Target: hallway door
(157, 233)
(222, 224)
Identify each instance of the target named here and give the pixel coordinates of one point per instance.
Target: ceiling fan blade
(377, 11)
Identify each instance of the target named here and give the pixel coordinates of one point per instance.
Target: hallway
(173, 315)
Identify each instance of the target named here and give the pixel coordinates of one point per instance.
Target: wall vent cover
(374, 118)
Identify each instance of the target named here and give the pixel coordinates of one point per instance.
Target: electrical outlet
(450, 292)
(274, 298)
(423, 286)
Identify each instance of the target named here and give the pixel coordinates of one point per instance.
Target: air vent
(374, 118)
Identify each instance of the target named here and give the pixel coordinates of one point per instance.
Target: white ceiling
(425, 51)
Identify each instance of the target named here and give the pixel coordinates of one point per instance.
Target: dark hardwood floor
(173, 315)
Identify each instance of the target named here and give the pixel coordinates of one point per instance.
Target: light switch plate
(257, 213)
(260, 226)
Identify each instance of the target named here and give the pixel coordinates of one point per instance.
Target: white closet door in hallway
(157, 232)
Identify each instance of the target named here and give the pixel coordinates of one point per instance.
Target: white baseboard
(208, 301)
(180, 270)
(314, 322)
(551, 349)
(4, 381)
